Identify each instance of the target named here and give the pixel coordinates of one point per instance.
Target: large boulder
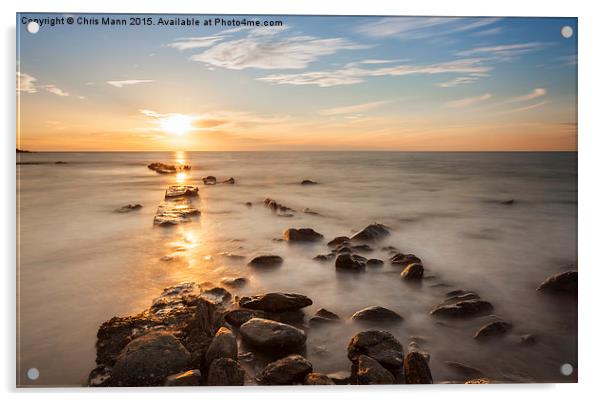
(562, 282)
(324, 316)
(149, 359)
(347, 262)
(177, 191)
(378, 345)
(223, 345)
(376, 314)
(289, 370)
(237, 317)
(416, 368)
(492, 330)
(266, 261)
(275, 302)
(272, 337)
(462, 304)
(372, 232)
(302, 235)
(225, 372)
(369, 371)
(413, 272)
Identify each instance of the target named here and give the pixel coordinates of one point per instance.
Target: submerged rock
(374, 263)
(462, 304)
(174, 212)
(230, 180)
(308, 182)
(302, 235)
(528, 339)
(163, 168)
(369, 371)
(188, 378)
(272, 337)
(376, 314)
(338, 241)
(413, 272)
(234, 282)
(324, 257)
(223, 345)
(323, 316)
(379, 345)
(225, 372)
(289, 370)
(508, 202)
(209, 180)
(275, 302)
(562, 282)
(176, 191)
(372, 232)
(266, 261)
(350, 263)
(403, 259)
(237, 317)
(317, 379)
(217, 295)
(277, 207)
(309, 211)
(129, 208)
(494, 329)
(416, 368)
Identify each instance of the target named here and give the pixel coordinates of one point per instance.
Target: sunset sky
(316, 83)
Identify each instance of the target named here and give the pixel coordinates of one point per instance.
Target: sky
(312, 83)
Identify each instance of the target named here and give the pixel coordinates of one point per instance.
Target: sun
(176, 124)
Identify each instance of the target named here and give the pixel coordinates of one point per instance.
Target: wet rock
(338, 241)
(404, 259)
(528, 339)
(462, 304)
(289, 370)
(248, 204)
(414, 347)
(234, 282)
(563, 282)
(324, 257)
(325, 313)
(492, 330)
(129, 208)
(272, 337)
(344, 248)
(465, 371)
(177, 191)
(323, 316)
(508, 202)
(275, 302)
(362, 248)
(238, 317)
(416, 369)
(379, 345)
(276, 207)
(188, 378)
(217, 295)
(369, 371)
(340, 378)
(266, 261)
(376, 314)
(302, 235)
(481, 380)
(309, 211)
(209, 180)
(413, 272)
(163, 168)
(225, 372)
(294, 317)
(174, 212)
(317, 379)
(308, 182)
(223, 345)
(230, 180)
(372, 232)
(149, 359)
(350, 263)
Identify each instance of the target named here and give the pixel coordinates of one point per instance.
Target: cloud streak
(468, 101)
(129, 82)
(353, 109)
(409, 28)
(27, 83)
(534, 94)
(503, 51)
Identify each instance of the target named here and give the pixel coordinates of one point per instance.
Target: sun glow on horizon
(176, 124)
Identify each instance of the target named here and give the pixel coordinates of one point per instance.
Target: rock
(416, 369)
(326, 314)
(493, 329)
(369, 371)
(465, 371)
(209, 180)
(362, 248)
(378, 345)
(238, 317)
(234, 282)
(376, 314)
(462, 304)
(338, 241)
(272, 337)
(163, 168)
(248, 204)
(374, 263)
(129, 208)
(372, 232)
(350, 263)
(528, 339)
(149, 359)
(508, 202)
(223, 345)
(188, 378)
(176, 191)
(324, 258)
(317, 379)
(217, 295)
(413, 272)
(230, 180)
(289, 370)
(302, 235)
(404, 259)
(481, 380)
(563, 282)
(308, 182)
(174, 212)
(276, 207)
(323, 316)
(266, 261)
(344, 248)
(309, 211)
(225, 372)
(341, 377)
(275, 302)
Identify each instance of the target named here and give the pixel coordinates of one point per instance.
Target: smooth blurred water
(80, 263)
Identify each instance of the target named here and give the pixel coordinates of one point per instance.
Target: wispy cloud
(407, 28)
(503, 51)
(463, 80)
(196, 42)
(27, 83)
(530, 107)
(468, 101)
(534, 94)
(54, 90)
(354, 109)
(128, 82)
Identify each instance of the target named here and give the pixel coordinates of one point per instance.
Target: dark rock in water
(338, 241)
(217, 295)
(149, 359)
(277, 207)
(372, 232)
(174, 212)
(266, 261)
(362, 248)
(482, 380)
(374, 263)
(416, 369)
(528, 339)
(275, 302)
(188, 378)
(237, 317)
(324, 316)
(302, 235)
(234, 282)
(404, 259)
(272, 337)
(309, 211)
(369, 371)
(294, 317)
(318, 379)
(176, 191)
(379, 345)
(376, 314)
(248, 204)
(562, 282)
(289, 370)
(225, 372)
(223, 345)
(230, 180)
(465, 371)
(209, 180)
(308, 182)
(508, 202)
(342, 377)
(327, 314)
(493, 329)
(350, 263)
(324, 257)
(413, 272)
(163, 168)
(390, 248)
(129, 208)
(462, 304)
(342, 249)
